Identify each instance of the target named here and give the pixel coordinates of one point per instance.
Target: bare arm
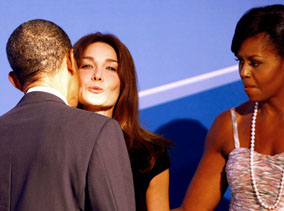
(209, 182)
(157, 195)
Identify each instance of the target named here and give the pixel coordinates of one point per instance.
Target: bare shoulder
(221, 127)
(223, 121)
(220, 136)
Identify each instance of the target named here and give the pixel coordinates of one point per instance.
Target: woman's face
(99, 81)
(261, 69)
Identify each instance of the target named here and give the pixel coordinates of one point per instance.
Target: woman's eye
(86, 66)
(111, 68)
(254, 63)
(240, 61)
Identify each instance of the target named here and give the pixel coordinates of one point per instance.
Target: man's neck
(52, 83)
(48, 90)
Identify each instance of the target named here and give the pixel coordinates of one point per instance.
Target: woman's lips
(95, 89)
(249, 87)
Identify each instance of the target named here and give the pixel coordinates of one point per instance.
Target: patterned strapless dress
(268, 170)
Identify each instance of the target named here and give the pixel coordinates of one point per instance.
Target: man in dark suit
(54, 157)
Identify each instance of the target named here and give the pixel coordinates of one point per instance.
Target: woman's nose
(97, 76)
(244, 70)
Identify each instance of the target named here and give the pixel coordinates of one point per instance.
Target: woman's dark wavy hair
(126, 110)
(268, 19)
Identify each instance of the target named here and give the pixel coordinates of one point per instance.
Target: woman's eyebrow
(91, 58)
(111, 60)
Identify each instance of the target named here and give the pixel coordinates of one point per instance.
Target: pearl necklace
(252, 140)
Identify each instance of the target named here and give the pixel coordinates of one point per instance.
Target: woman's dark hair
(268, 19)
(126, 109)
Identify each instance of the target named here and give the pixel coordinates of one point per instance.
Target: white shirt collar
(48, 90)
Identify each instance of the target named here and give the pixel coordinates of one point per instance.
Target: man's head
(36, 50)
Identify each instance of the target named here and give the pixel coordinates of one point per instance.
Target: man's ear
(15, 81)
(71, 63)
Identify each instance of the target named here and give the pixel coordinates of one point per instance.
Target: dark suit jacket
(57, 158)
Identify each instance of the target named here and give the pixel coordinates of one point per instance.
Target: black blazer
(57, 158)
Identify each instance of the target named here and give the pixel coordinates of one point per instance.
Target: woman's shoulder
(141, 157)
(224, 119)
(220, 135)
(144, 151)
(162, 161)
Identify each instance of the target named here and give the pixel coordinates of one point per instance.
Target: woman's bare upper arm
(209, 182)
(157, 195)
